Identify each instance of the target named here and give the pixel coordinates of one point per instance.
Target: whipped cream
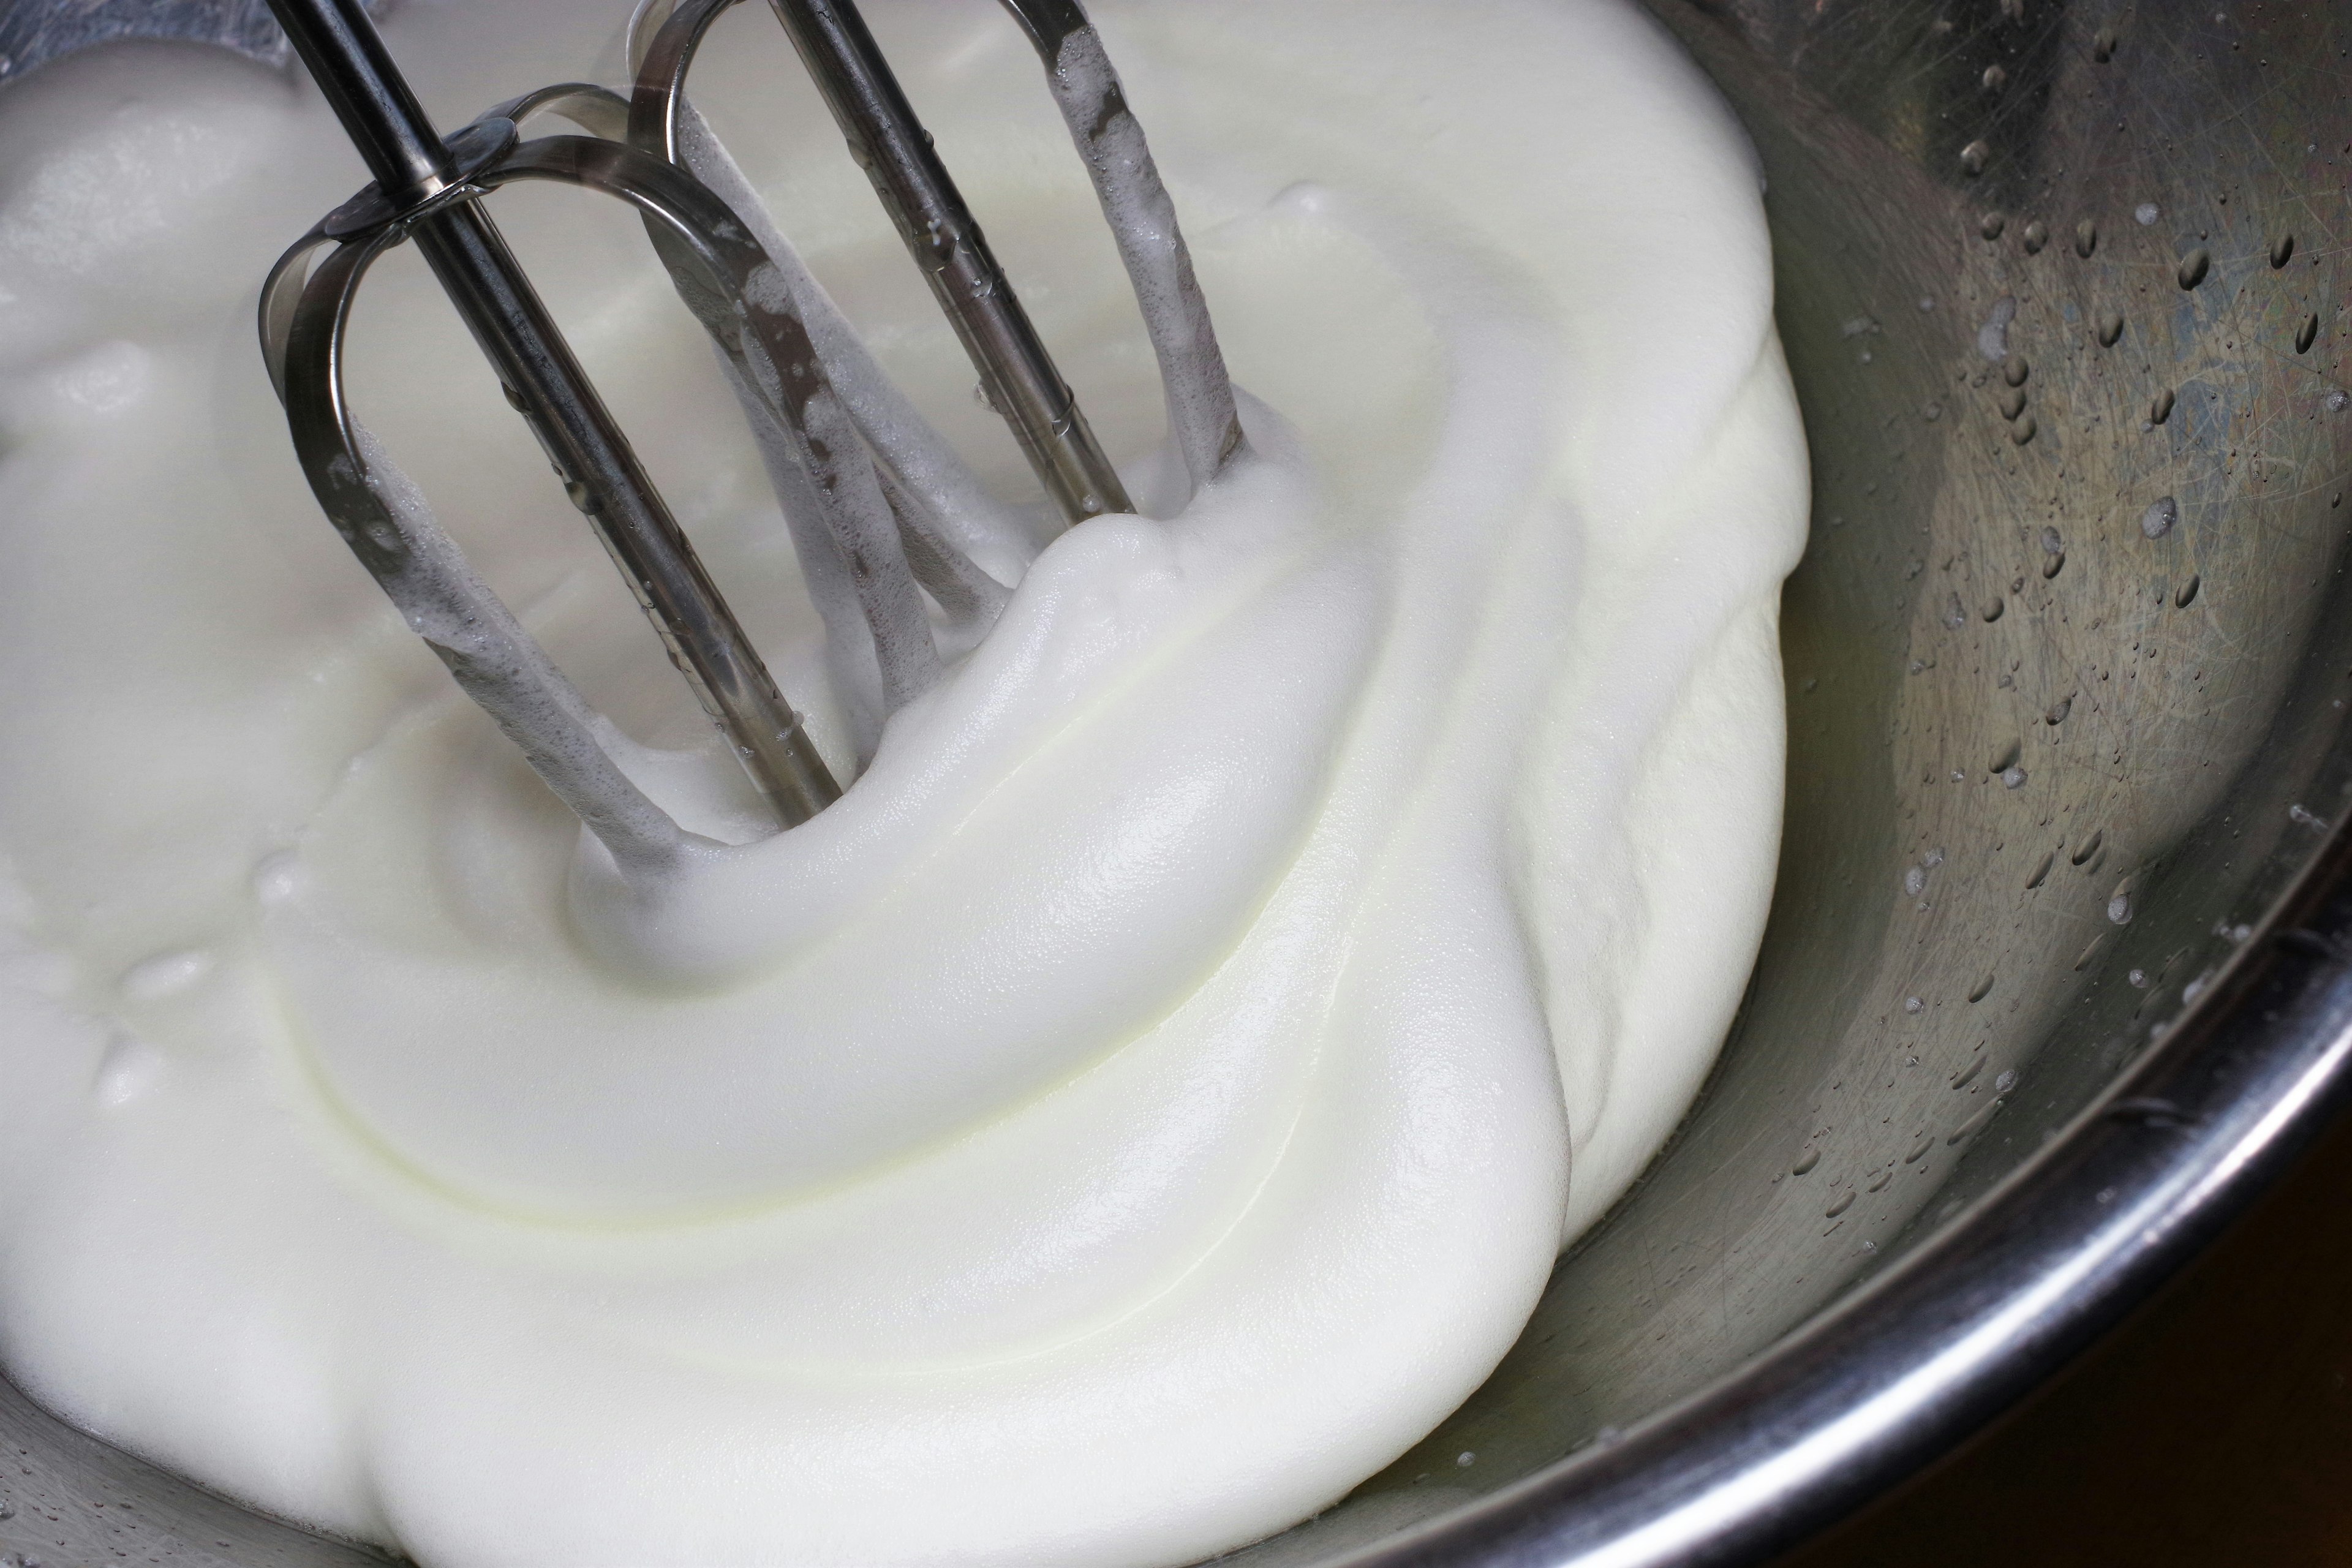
(1155, 1095)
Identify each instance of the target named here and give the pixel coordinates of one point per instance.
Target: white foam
(1153, 1097)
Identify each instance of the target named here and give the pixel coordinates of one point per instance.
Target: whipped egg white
(1154, 1096)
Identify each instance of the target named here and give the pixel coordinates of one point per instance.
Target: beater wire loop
(765, 346)
(882, 510)
(1017, 376)
(881, 651)
(385, 520)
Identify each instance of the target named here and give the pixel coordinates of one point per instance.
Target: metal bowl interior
(2053, 979)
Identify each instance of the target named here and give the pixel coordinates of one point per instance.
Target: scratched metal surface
(2023, 688)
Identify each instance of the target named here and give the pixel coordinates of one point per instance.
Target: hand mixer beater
(883, 514)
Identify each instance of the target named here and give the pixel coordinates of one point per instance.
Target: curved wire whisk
(889, 521)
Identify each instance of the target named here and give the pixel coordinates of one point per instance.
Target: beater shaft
(546, 383)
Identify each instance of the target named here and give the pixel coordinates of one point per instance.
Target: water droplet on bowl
(2119, 909)
(1846, 1202)
(2283, 251)
(1805, 1161)
(2012, 403)
(2086, 238)
(2103, 47)
(2188, 594)
(2024, 430)
(1983, 988)
(1913, 1004)
(2014, 369)
(2159, 518)
(1974, 1123)
(2037, 235)
(1974, 157)
(2042, 871)
(2060, 710)
(1992, 335)
(2013, 778)
(2159, 409)
(1915, 882)
(2146, 214)
(2307, 334)
(2111, 327)
(2193, 267)
(1992, 225)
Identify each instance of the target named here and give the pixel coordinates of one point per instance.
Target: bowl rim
(1984, 1309)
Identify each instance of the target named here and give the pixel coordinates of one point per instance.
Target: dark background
(2215, 1428)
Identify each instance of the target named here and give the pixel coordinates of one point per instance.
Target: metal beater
(882, 510)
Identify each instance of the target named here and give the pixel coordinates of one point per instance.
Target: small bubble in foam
(130, 1068)
(278, 877)
(166, 974)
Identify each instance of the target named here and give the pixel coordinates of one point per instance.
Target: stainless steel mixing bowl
(2057, 974)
